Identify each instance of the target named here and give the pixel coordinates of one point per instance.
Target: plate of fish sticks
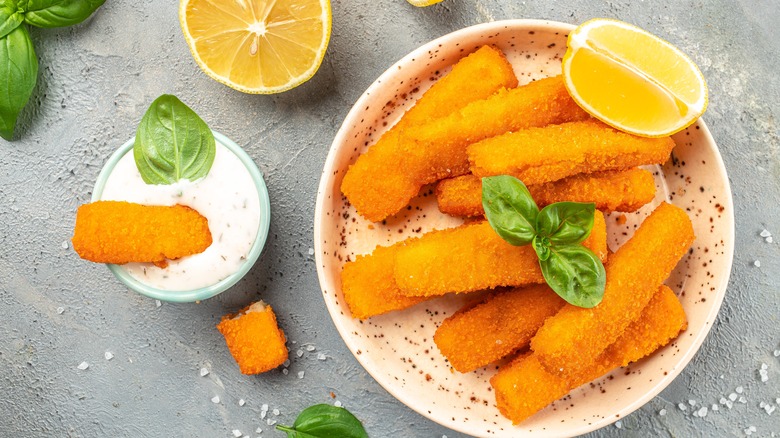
(453, 319)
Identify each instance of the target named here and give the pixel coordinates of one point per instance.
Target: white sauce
(227, 197)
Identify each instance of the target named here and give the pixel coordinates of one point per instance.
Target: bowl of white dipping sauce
(232, 196)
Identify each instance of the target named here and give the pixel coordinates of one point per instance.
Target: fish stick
(499, 326)
(374, 185)
(524, 386)
(573, 338)
(368, 284)
(624, 191)
(540, 155)
(473, 257)
(254, 338)
(122, 232)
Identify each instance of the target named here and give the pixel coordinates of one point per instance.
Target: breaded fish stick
(624, 191)
(368, 284)
(524, 387)
(571, 340)
(374, 184)
(473, 257)
(254, 338)
(540, 155)
(123, 232)
(476, 336)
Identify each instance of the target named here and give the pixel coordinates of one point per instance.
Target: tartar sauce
(227, 197)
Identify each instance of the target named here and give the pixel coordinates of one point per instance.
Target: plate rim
(327, 175)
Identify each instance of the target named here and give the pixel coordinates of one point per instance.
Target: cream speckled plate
(397, 349)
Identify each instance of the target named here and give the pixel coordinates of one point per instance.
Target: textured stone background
(97, 79)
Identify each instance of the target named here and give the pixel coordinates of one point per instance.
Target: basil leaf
(58, 13)
(325, 421)
(173, 143)
(10, 17)
(19, 69)
(542, 247)
(566, 222)
(576, 274)
(509, 208)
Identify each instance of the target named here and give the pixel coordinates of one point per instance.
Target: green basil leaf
(576, 274)
(10, 17)
(325, 421)
(58, 13)
(173, 143)
(566, 222)
(509, 208)
(541, 245)
(19, 69)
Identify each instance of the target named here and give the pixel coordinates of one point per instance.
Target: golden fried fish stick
(539, 155)
(625, 191)
(374, 184)
(123, 232)
(476, 336)
(571, 340)
(254, 338)
(369, 286)
(524, 387)
(473, 257)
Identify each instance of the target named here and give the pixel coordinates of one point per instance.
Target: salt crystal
(157, 303)
(294, 342)
(692, 402)
(241, 402)
(83, 366)
(748, 432)
(722, 400)
(732, 396)
(763, 366)
(236, 433)
(742, 400)
(777, 400)
(300, 374)
(285, 371)
(299, 353)
(270, 422)
(765, 233)
(286, 363)
(715, 407)
(264, 407)
(259, 430)
(769, 409)
(764, 378)
(311, 251)
(276, 412)
(703, 411)
(739, 389)
(776, 353)
(757, 263)
(204, 372)
(321, 356)
(60, 310)
(721, 376)
(729, 404)
(444, 436)
(662, 412)
(215, 399)
(337, 404)
(619, 424)
(761, 405)
(310, 348)
(64, 244)
(263, 414)
(769, 239)
(108, 355)
(682, 407)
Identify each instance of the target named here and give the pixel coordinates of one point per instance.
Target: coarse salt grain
(259, 430)
(215, 399)
(337, 404)
(204, 372)
(157, 303)
(276, 412)
(236, 433)
(310, 348)
(60, 310)
(775, 353)
(703, 411)
(286, 363)
(662, 412)
(270, 422)
(311, 251)
(285, 371)
(300, 374)
(739, 389)
(108, 355)
(764, 366)
(715, 407)
(264, 407)
(321, 356)
(769, 239)
(692, 402)
(682, 407)
(757, 263)
(83, 366)
(765, 233)
(299, 353)
(733, 396)
(742, 400)
(619, 424)
(241, 402)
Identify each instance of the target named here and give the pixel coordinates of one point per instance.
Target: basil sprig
(18, 63)
(325, 421)
(173, 143)
(555, 233)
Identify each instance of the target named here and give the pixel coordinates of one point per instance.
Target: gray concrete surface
(97, 79)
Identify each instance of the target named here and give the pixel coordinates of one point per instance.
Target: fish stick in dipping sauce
(502, 324)
(571, 340)
(473, 257)
(374, 184)
(123, 232)
(624, 191)
(540, 155)
(525, 387)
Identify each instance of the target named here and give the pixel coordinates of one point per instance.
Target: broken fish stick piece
(571, 340)
(525, 387)
(473, 257)
(540, 155)
(374, 184)
(624, 191)
(254, 338)
(368, 284)
(122, 232)
(499, 326)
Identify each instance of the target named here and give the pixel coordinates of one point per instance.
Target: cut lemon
(632, 80)
(422, 3)
(257, 46)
